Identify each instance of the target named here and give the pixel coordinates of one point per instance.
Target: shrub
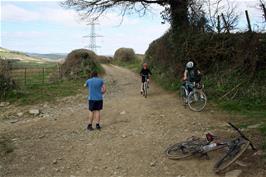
(79, 64)
(6, 82)
(125, 55)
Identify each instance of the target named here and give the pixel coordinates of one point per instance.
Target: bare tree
(230, 16)
(262, 5)
(176, 11)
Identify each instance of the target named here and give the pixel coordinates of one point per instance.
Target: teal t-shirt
(94, 86)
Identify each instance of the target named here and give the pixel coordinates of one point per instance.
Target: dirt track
(130, 144)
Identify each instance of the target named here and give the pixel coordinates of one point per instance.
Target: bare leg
(97, 116)
(141, 87)
(91, 116)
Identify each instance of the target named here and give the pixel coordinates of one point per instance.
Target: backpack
(193, 75)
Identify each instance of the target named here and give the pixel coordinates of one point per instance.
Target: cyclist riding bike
(144, 73)
(191, 75)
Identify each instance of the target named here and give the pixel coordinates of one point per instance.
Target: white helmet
(190, 65)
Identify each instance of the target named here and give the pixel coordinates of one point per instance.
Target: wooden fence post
(25, 76)
(248, 20)
(42, 75)
(218, 24)
(225, 24)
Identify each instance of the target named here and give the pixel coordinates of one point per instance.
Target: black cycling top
(145, 72)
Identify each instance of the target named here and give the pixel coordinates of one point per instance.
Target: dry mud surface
(135, 132)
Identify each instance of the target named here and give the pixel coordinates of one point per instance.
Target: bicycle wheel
(183, 97)
(145, 90)
(184, 149)
(235, 151)
(197, 100)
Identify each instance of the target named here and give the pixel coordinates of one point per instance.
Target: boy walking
(96, 89)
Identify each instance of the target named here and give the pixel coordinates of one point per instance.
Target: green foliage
(80, 63)
(38, 93)
(125, 55)
(233, 67)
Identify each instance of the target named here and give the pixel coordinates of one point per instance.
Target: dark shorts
(143, 78)
(95, 105)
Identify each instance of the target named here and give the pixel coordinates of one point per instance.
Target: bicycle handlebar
(242, 135)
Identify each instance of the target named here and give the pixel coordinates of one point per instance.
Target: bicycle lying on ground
(234, 148)
(145, 86)
(192, 94)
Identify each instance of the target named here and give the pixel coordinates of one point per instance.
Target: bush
(6, 82)
(104, 59)
(79, 64)
(125, 55)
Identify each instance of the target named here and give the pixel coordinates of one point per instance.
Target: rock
(1, 167)
(4, 104)
(20, 114)
(234, 173)
(254, 126)
(42, 169)
(123, 113)
(240, 163)
(13, 121)
(124, 136)
(55, 162)
(34, 112)
(41, 136)
(152, 164)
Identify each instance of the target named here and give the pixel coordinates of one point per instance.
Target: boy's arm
(185, 75)
(86, 84)
(103, 89)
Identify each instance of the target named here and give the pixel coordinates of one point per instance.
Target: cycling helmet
(145, 64)
(190, 65)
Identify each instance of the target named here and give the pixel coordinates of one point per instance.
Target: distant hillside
(20, 58)
(50, 56)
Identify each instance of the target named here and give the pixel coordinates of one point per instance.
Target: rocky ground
(50, 139)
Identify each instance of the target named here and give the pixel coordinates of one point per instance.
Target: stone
(123, 113)
(4, 104)
(234, 173)
(124, 136)
(42, 169)
(41, 136)
(152, 164)
(34, 112)
(254, 126)
(20, 114)
(13, 121)
(55, 162)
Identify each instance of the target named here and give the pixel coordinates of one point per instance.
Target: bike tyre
(191, 100)
(222, 164)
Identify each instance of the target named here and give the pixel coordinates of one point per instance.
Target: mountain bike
(192, 94)
(145, 86)
(234, 147)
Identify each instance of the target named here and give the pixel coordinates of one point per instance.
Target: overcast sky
(45, 27)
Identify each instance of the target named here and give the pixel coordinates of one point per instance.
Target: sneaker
(98, 127)
(90, 128)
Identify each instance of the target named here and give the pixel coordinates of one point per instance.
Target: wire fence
(24, 76)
